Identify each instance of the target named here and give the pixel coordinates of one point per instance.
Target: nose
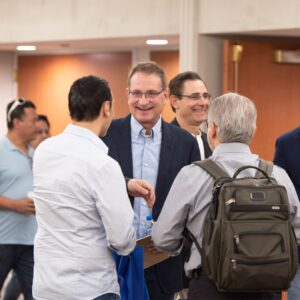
(143, 99)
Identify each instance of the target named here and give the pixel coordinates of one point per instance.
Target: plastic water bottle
(148, 225)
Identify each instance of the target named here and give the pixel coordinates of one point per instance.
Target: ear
(166, 94)
(213, 130)
(16, 123)
(106, 108)
(174, 101)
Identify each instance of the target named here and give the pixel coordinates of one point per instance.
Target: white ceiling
(92, 45)
(127, 44)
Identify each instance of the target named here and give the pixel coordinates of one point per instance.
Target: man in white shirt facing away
(82, 208)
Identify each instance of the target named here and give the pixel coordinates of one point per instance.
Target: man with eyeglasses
(149, 148)
(18, 224)
(189, 100)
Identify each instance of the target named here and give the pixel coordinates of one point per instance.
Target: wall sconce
(287, 56)
(237, 51)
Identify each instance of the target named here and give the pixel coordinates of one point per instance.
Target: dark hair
(86, 96)
(18, 111)
(149, 67)
(176, 83)
(44, 119)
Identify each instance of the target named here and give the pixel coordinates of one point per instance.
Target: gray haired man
(231, 126)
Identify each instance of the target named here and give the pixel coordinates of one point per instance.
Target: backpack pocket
(258, 244)
(256, 259)
(263, 274)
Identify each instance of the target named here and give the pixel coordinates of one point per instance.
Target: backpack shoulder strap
(266, 166)
(211, 168)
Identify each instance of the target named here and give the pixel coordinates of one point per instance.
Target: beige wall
(46, 80)
(37, 20)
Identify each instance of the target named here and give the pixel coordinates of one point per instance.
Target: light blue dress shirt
(145, 159)
(15, 183)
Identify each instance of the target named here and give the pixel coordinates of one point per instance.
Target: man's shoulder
(115, 127)
(118, 122)
(185, 144)
(177, 131)
(290, 135)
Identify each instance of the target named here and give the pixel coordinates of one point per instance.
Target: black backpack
(248, 241)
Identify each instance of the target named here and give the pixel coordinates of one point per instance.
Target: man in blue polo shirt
(18, 224)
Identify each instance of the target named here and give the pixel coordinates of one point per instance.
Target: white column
(188, 35)
(210, 63)
(140, 54)
(8, 85)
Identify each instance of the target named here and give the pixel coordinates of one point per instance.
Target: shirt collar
(196, 135)
(86, 134)
(137, 128)
(11, 146)
(231, 148)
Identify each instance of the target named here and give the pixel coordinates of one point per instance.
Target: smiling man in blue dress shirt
(147, 147)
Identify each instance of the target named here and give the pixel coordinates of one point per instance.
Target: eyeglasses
(195, 97)
(16, 103)
(148, 94)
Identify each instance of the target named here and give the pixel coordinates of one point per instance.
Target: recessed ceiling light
(156, 42)
(26, 48)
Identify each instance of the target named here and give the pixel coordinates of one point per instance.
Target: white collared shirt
(200, 144)
(82, 210)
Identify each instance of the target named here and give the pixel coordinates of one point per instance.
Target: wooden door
(275, 89)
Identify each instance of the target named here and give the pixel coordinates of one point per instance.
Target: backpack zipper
(235, 262)
(253, 207)
(237, 238)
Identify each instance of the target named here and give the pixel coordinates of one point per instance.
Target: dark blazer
(178, 149)
(287, 156)
(207, 150)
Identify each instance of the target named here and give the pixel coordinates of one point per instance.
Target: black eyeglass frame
(196, 97)
(148, 94)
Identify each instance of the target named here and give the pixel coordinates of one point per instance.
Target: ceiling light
(156, 42)
(26, 48)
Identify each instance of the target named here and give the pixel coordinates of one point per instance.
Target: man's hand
(24, 206)
(150, 248)
(141, 188)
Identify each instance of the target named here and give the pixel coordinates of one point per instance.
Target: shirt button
(145, 164)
